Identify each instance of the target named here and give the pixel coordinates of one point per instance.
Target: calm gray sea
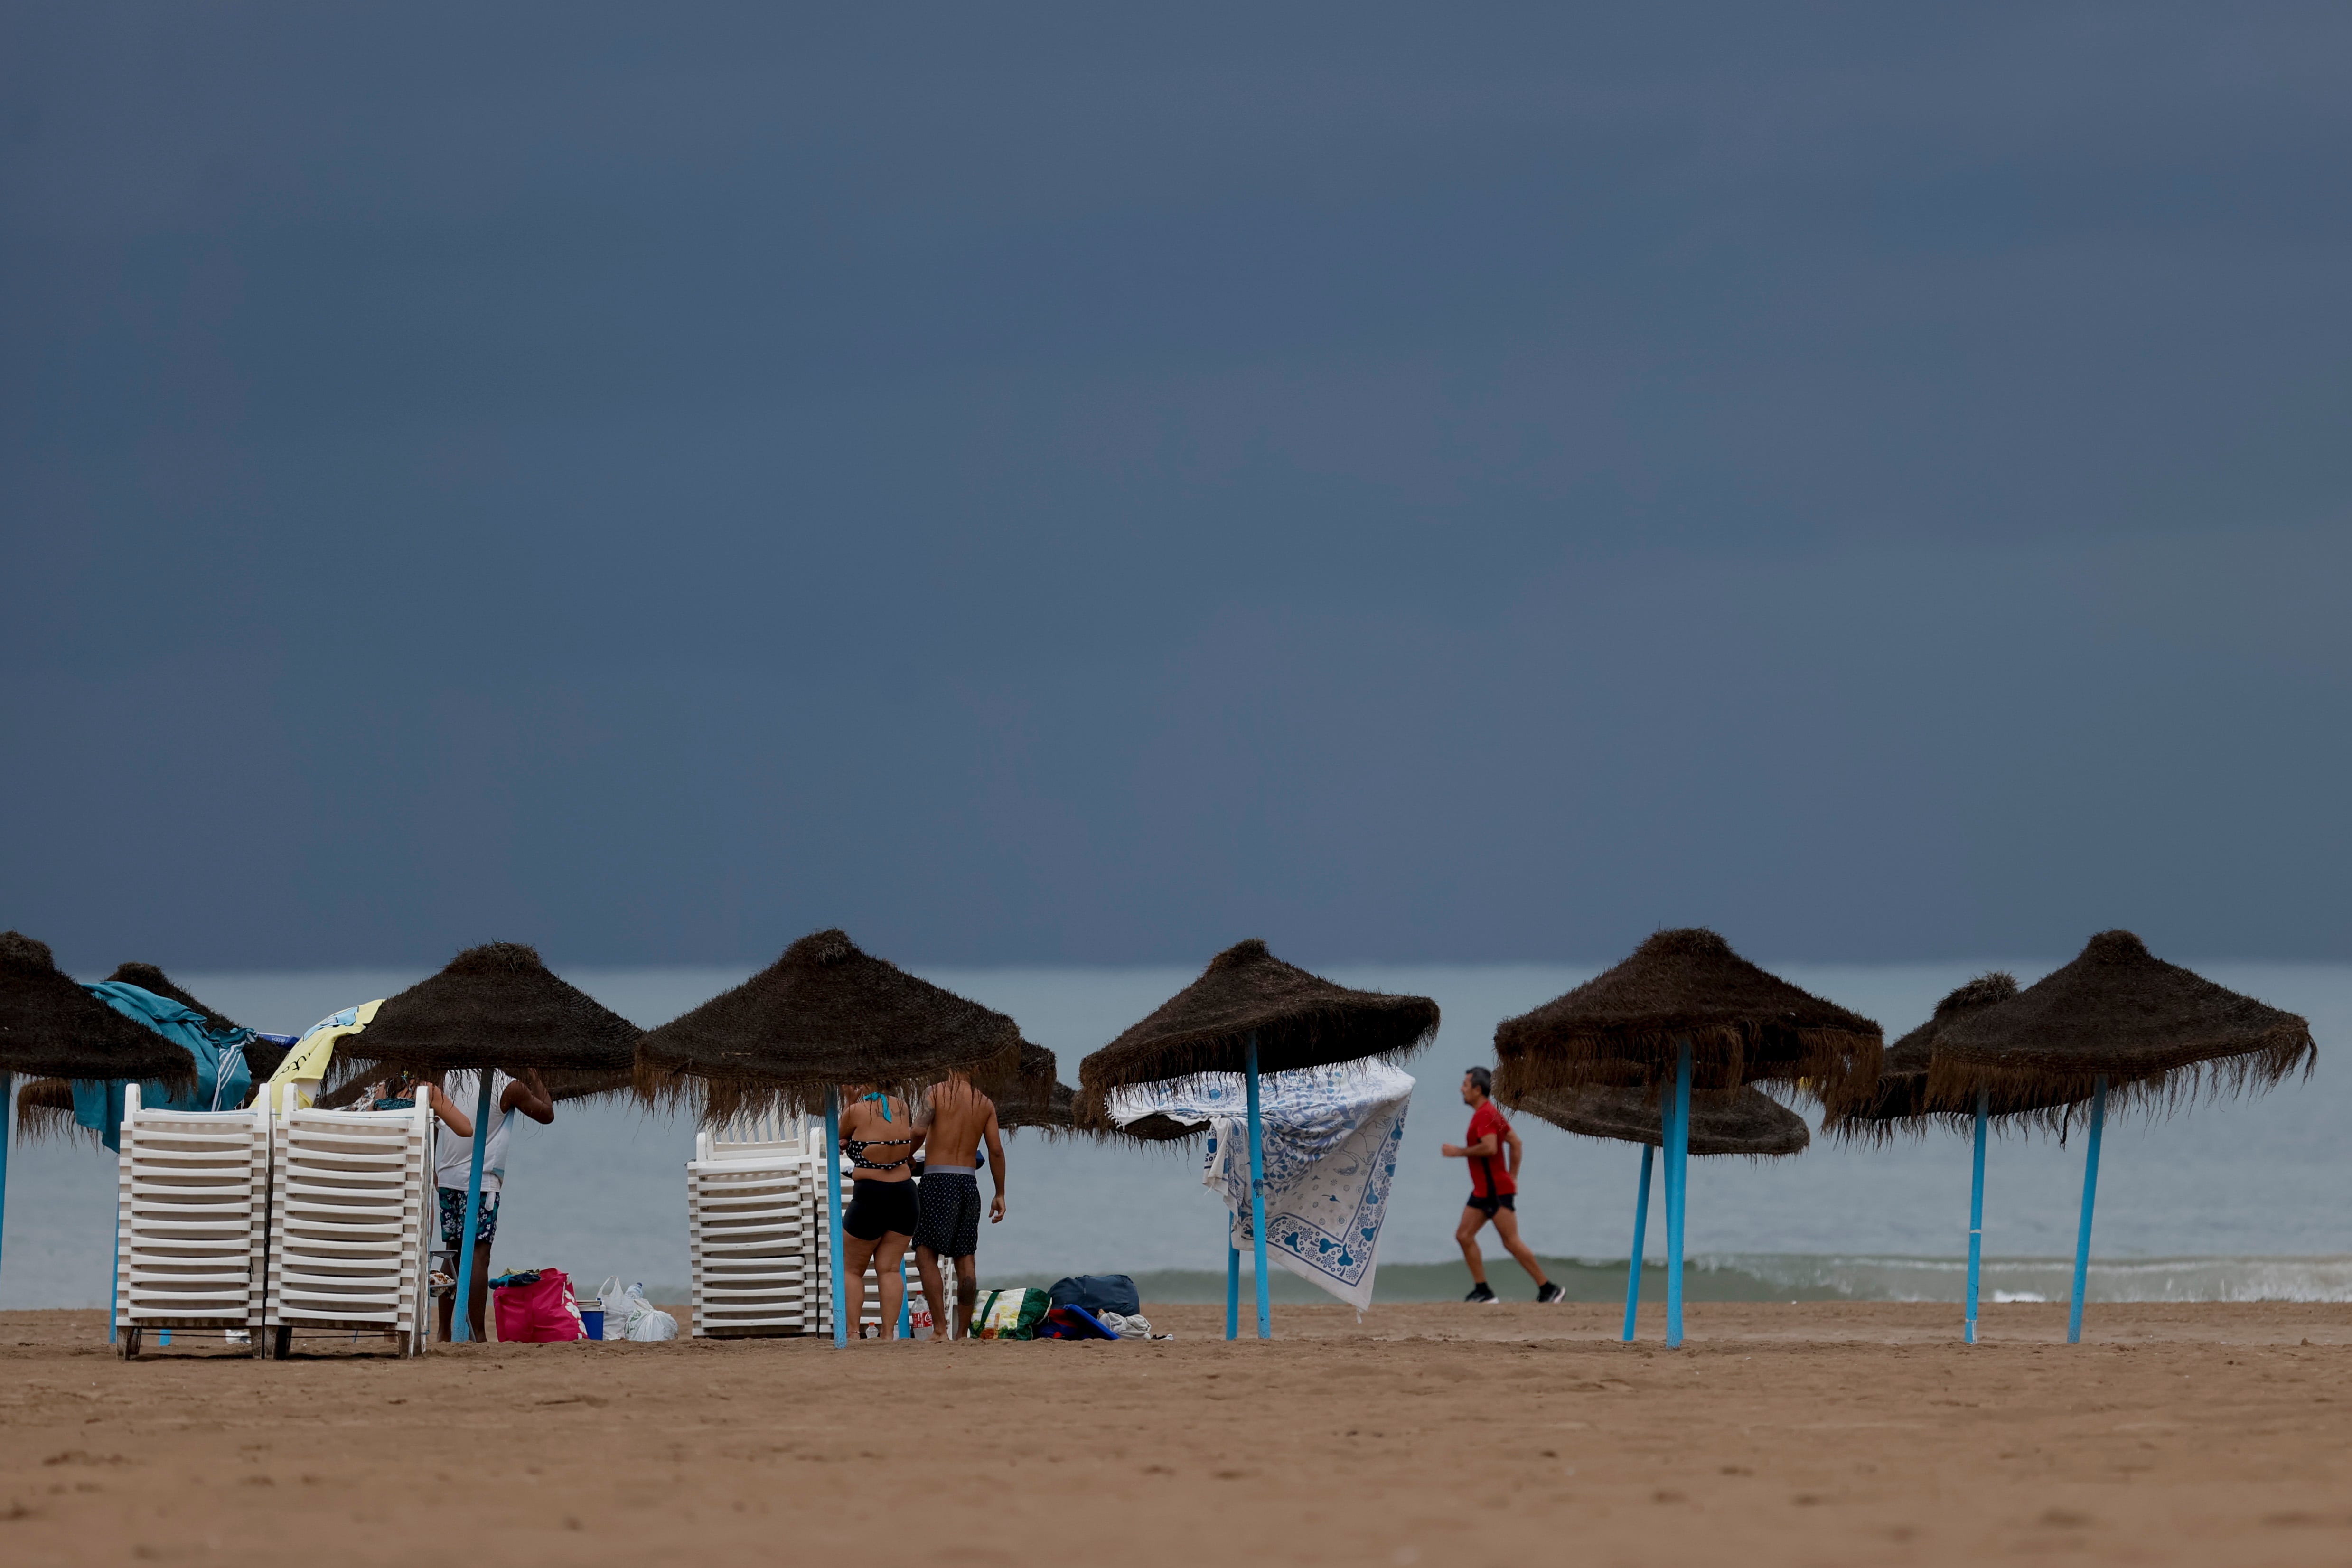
(2229, 1200)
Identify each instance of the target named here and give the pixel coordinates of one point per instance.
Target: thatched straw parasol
(51, 1027)
(491, 1008)
(822, 1015)
(496, 1007)
(1251, 1013)
(2116, 1021)
(2148, 1030)
(262, 1054)
(1298, 1019)
(1749, 1122)
(1742, 1025)
(1687, 1011)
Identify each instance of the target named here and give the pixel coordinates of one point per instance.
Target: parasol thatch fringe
(2022, 1094)
(1036, 1100)
(44, 1110)
(565, 1086)
(716, 1099)
(1834, 1066)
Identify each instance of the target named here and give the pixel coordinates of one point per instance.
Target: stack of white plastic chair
(761, 1246)
(351, 1203)
(191, 1221)
(757, 1230)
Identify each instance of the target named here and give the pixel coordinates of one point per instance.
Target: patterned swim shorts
(948, 1222)
(453, 1218)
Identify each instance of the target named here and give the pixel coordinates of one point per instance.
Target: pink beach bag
(540, 1313)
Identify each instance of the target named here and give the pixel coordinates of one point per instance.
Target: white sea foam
(2049, 1279)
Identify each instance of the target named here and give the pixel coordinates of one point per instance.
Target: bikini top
(856, 1147)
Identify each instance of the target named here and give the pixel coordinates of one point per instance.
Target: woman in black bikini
(880, 1138)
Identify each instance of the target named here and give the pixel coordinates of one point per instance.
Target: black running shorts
(950, 1224)
(1501, 1201)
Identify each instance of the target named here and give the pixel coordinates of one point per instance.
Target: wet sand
(1821, 1433)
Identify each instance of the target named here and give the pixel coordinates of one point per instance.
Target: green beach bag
(1009, 1314)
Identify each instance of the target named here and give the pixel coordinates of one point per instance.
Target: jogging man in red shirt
(1494, 1190)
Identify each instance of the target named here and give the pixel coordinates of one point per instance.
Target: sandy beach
(1820, 1433)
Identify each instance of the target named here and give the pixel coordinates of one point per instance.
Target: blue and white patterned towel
(1331, 1139)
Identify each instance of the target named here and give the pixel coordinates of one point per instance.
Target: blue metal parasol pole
(1257, 1201)
(1678, 1161)
(833, 1215)
(1976, 1219)
(2090, 1201)
(1667, 1173)
(7, 1107)
(1641, 1230)
(1232, 1265)
(114, 1281)
(461, 1326)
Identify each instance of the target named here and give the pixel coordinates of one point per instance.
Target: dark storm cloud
(1060, 488)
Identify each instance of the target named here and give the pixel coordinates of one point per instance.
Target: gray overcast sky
(1033, 485)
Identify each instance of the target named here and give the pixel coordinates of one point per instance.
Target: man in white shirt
(453, 1161)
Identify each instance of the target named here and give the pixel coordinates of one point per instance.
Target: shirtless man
(946, 1222)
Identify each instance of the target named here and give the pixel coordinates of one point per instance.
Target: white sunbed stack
(192, 1219)
(761, 1251)
(756, 1229)
(348, 1224)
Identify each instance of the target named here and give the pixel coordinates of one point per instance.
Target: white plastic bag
(615, 1308)
(646, 1321)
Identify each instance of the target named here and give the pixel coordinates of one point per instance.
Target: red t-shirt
(1491, 1177)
